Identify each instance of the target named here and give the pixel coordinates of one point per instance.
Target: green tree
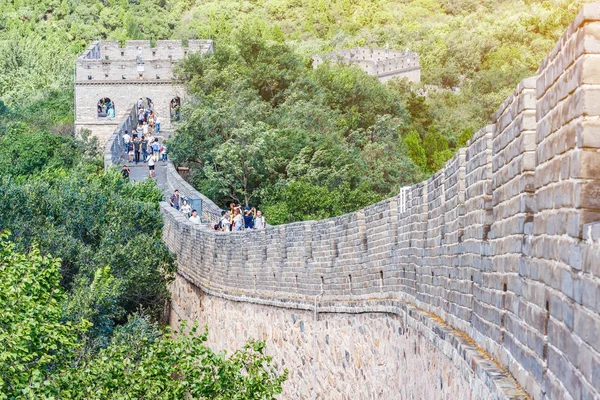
(171, 365)
(34, 340)
(238, 168)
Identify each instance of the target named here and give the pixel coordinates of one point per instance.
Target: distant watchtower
(119, 76)
(385, 64)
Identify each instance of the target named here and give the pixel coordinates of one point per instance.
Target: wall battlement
(125, 74)
(382, 63)
(108, 61)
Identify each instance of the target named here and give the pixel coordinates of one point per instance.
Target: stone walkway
(140, 172)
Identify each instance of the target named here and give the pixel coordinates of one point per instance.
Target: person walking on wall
(130, 152)
(163, 152)
(155, 149)
(157, 123)
(175, 200)
(144, 144)
(249, 217)
(150, 161)
(137, 148)
(260, 222)
(195, 218)
(225, 222)
(126, 139)
(238, 220)
(186, 209)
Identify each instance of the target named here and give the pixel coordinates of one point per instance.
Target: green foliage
(269, 130)
(55, 195)
(34, 341)
(97, 302)
(91, 220)
(41, 351)
(172, 367)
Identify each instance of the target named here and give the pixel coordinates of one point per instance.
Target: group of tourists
(233, 219)
(236, 219)
(141, 145)
(147, 116)
(106, 108)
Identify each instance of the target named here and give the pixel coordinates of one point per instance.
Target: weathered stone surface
(373, 355)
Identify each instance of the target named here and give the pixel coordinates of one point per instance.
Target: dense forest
(84, 273)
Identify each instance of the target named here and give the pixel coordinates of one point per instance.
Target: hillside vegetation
(268, 130)
(84, 279)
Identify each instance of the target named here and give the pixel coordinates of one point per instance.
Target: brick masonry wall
(124, 97)
(364, 356)
(490, 267)
(106, 70)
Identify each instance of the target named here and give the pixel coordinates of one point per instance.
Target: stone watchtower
(110, 74)
(385, 64)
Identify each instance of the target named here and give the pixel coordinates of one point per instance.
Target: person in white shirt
(186, 209)
(238, 220)
(225, 223)
(260, 222)
(145, 129)
(151, 163)
(126, 137)
(195, 218)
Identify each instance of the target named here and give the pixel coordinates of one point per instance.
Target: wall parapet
(115, 147)
(501, 245)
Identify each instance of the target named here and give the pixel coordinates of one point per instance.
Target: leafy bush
(42, 357)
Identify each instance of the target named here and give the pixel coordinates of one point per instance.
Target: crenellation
(126, 74)
(385, 64)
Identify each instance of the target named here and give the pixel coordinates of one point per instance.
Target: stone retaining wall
(211, 213)
(500, 247)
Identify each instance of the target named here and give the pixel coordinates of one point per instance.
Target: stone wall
(500, 248)
(210, 212)
(400, 355)
(115, 146)
(384, 64)
(124, 96)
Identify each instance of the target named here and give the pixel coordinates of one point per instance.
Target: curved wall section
(501, 246)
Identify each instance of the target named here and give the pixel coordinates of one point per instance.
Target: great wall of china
(482, 282)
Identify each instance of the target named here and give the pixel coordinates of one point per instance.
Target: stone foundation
(359, 356)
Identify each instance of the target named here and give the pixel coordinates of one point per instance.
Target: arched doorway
(175, 108)
(106, 108)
